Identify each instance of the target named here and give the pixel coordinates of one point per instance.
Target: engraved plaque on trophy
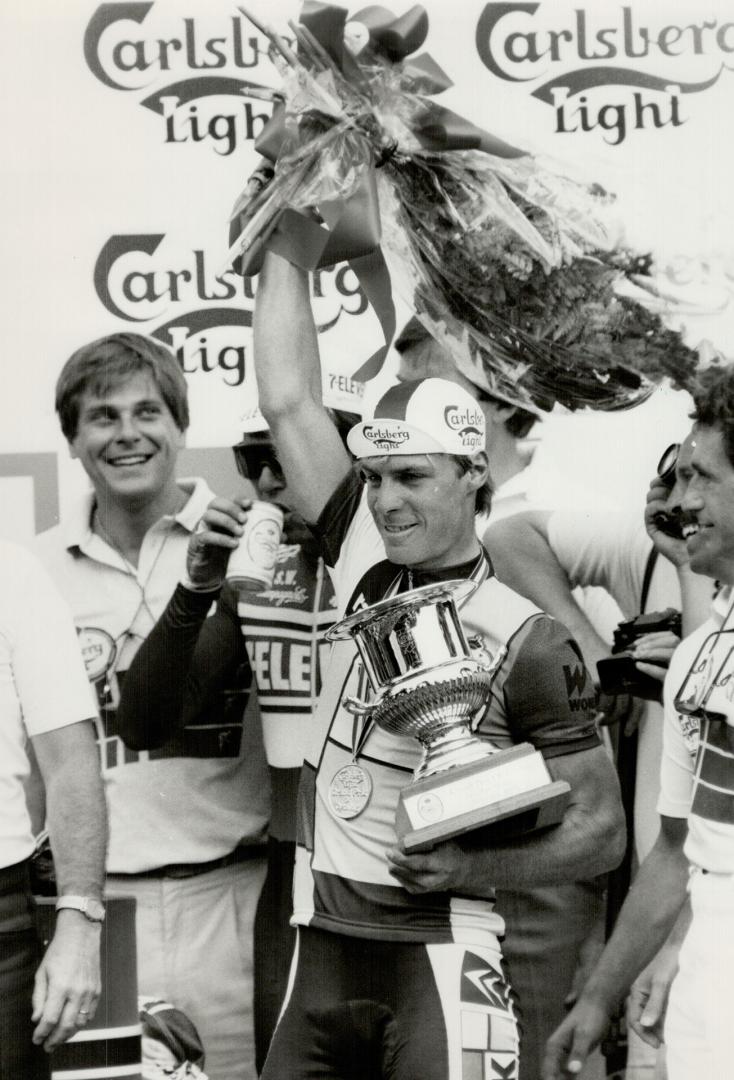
(430, 684)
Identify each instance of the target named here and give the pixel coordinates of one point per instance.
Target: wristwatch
(90, 908)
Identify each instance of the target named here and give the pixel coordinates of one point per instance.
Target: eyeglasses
(252, 458)
(667, 464)
(708, 688)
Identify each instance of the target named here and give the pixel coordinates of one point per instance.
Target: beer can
(252, 564)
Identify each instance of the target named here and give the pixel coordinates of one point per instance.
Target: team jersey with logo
(284, 629)
(541, 693)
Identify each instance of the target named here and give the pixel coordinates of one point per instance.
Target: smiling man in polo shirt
(188, 820)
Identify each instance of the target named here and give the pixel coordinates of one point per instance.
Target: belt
(187, 870)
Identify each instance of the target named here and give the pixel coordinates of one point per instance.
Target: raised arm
(289, 385)
(696, 591)
(523, 559)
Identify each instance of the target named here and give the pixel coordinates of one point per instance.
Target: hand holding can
(252, 563)
(212, 542)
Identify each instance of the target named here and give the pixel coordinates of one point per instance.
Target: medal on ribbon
(350, 789)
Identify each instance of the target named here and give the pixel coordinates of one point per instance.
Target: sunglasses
(252, 458)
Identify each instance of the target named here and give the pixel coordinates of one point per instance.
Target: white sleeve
(607, 550)
(680, 738)
(48, 669)
(361, 548)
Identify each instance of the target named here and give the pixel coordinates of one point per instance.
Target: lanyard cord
(131, 571)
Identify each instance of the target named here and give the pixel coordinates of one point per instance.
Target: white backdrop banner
(129, 131)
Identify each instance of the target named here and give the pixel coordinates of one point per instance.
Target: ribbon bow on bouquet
(508, 263)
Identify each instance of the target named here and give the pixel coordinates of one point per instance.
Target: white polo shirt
(697, 770)
(43, 684)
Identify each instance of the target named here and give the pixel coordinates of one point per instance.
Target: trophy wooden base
(507, 793)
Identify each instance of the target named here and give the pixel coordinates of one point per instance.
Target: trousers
(545, 929)
(699, 1033)
(20, 953)
(194, 949)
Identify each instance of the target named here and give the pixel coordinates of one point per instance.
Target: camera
(618, 674)
(669, 523)
(667, 464)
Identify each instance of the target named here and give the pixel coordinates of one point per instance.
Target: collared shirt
(206, 789)
(697, 769)
(43, 685)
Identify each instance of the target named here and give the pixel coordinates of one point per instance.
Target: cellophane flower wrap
(513, 267)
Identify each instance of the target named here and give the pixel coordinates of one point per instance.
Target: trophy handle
(479, 652)
(356, 707)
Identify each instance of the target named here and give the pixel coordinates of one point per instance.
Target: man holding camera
(643, 564)
(694, 852)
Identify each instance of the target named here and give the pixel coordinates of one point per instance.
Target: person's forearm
(156, 683)
(67, 983)
(76, 814)
(585, 844)
(649, 914)
(524, 560)
(285, 343)
(682, 925)
(288, 371)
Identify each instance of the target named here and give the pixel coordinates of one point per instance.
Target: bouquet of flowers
(512, 266)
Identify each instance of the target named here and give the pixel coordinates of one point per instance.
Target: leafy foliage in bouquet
(514, 267)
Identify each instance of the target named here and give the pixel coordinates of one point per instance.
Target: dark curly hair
(713, 404)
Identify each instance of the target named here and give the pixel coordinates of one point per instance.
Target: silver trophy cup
(431, 683)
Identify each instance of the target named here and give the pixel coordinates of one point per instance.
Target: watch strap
(89, 907)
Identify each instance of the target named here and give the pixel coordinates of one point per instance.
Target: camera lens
(667, 463)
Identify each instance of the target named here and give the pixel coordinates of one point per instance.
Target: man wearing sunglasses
(302, 591)
(693, 855)
(180, 666)
(644, 565)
